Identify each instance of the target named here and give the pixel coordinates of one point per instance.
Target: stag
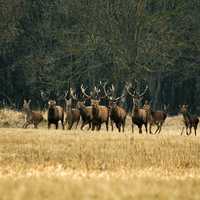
(188, 120)
(117, 113)
(100, 114)
(139, 115)
(31, 117)
(72, 114)
(55, 114)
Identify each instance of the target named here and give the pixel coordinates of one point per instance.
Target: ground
(42, 164)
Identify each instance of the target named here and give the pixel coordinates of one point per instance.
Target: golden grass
(56, 164)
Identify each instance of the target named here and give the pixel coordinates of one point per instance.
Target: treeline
(45, 44)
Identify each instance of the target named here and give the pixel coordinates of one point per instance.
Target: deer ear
(25, 101)
(29, 101)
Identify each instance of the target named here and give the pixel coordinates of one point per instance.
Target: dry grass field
(41, 164)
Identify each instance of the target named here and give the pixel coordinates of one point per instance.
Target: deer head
(26, 105)
(110, 94)
(136, 97)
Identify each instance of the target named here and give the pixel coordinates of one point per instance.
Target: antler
(83, 91)
(144, 92)
(72, 93)
(105, 92)
(128, 90)
(118, 98)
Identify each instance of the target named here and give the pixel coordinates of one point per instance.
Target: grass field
(42, 164)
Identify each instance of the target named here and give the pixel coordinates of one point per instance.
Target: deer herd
(102, 106)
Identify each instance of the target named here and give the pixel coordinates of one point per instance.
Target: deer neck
(28, 113)
(95, 111)
(186, 116)
(68, 108)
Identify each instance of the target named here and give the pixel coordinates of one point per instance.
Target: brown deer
(117, 113)
(139, 115)
(86, 114)
(188, 120)
(72, 114)
(100, 114)
(31, 117)
(55, 114)
(155, 118)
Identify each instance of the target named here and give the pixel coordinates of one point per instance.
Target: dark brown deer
(86, 114)
(55, 114)
(188, 120)
(31, 117)
(100, 114)
(139, 115)
(117, 113)
(72, 114)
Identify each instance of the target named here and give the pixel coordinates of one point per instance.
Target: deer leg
(70, 126)
(111, 122)
(132, 127)
(82, 125)
(63, 127)
(190, 130)
(99, 127)
(182, 130)
(150, 125)
(158, 127)
(140, 129)
(195, 130)
(89, 126)
(35, 126)
(49, 125)
(123, 126)
(56, 125)
(107, 123)
(77, 123)
(25, 125)
(93, 126)
(186, 130)
(119, 127)
(146, 128)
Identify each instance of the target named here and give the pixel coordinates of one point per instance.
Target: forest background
(45, 44)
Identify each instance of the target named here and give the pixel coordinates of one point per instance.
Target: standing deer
(55, 114)
(139, 115)
(100, 114)
(31, 117)
(155, 117)
(72, 114)
(189, 120)
(86, 114)
(117, 113)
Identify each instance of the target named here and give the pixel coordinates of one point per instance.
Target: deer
(31, 117)
(117, 113)
(155, 118)
(100, 114)
(139, 115)
(72, 114)
(189, 120)
(55, 114)
(86, 114)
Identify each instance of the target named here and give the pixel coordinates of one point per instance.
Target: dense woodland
(45, 44)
